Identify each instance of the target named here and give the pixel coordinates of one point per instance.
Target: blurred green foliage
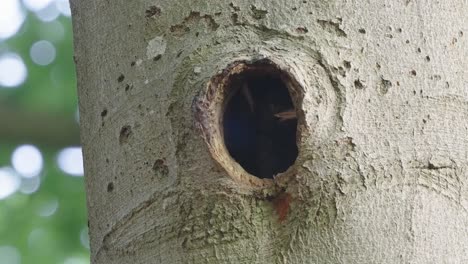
(49, 225)
(49, 88)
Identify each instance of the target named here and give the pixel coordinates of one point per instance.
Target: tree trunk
(379, 94)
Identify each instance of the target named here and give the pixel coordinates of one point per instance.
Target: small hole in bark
(252, 119)
(260, 121)
(160, 166)
(110, 187)
(302, 30)
(125, 133)
(121, 78)
(153, 11)
(358, 84)
(157, 57)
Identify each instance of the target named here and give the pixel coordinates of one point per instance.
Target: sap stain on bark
(125, 133)
(281, 204)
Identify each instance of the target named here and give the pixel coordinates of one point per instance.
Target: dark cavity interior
(260, 122)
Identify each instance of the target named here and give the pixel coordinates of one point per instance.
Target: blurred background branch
(42, 129)
(42, 199)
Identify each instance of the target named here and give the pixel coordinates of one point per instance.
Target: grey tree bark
(381, 95)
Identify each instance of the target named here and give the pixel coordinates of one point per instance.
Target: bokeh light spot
(36, 237)
(76, 260)
(30, 185)
(9, 255)
(53, 31)
(48, 208)
(13, 72)
(48, 13)
(9, 183)
(77, 115)
(84, 237)
(35, 5)
(42, 52)
(27, 161)
(70, 160)
(11, 18)
(64, 7)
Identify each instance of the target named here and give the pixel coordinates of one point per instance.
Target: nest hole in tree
(259, 121)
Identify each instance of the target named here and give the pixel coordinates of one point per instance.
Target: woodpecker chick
(286, 115)
(248, 96)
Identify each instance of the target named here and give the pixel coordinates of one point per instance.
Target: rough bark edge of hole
(208, 110)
